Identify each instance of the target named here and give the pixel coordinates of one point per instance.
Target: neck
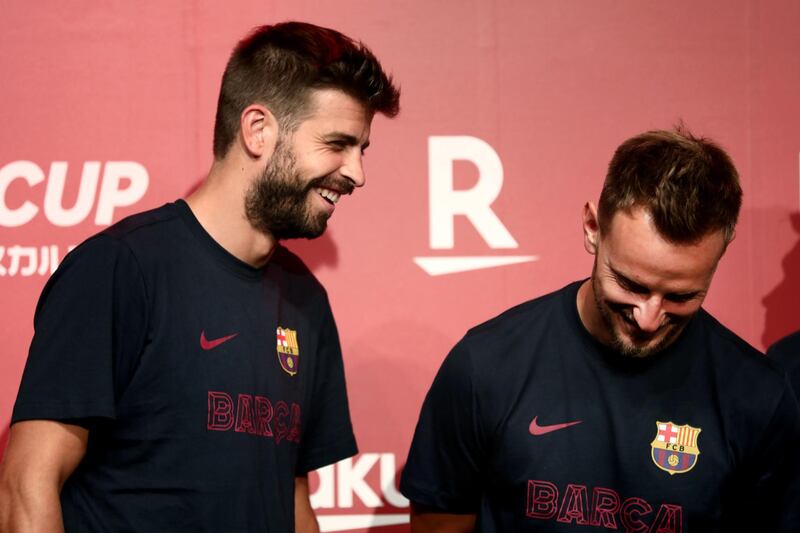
(218, 204)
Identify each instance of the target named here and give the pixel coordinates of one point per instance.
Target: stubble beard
(276, 203)
(622, 345)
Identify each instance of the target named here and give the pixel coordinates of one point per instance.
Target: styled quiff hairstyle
(279, 65)
(689, 185)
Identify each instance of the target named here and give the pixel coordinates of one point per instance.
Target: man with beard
(185, 372)
(617, 403)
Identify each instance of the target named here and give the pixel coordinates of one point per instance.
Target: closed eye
(341, 141)
(628, 284)
(681, 298)
(636, 288)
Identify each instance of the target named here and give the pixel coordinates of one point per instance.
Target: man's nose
(649, 314)
(353, 168)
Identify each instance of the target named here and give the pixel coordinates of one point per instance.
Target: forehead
(331, 110)
(633, 246)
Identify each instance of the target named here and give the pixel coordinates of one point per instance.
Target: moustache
(340, 185)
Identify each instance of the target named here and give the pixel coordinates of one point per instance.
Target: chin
(628, 347)
(317, 228)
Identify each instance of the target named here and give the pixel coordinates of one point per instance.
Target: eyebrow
(350, 140)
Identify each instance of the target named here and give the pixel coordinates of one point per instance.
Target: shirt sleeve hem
(435, 499)
(327, 455)
(47, 411)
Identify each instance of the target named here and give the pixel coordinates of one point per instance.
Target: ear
(591, 228)
(259, 130)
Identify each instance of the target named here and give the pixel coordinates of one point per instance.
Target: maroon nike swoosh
(537, 430)
(210, 345)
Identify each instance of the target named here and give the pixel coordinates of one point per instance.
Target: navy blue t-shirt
(534, 426)
(787, 352)
(207, 385)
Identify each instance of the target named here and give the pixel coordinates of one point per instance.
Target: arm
(326, 435)
(427, 520)
(41, 455)
(446, 463)
(304, 519)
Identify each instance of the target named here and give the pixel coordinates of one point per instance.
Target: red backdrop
(511, 111)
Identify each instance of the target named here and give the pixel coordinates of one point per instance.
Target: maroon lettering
(630, 508)
(542, 497)
(574, 505)
(263, 416)
(668, 520)
(294, 432)
(607, 507)
(244, 414)
(281, 429)
(254, 415)
(605, 504)
(220, 411)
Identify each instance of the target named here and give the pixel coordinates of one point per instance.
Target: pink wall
(550, 87)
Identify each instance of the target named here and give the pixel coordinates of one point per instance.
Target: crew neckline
(220, 254)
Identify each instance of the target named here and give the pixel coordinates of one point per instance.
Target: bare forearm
(425, 520)
(305, 521)
(40, 456)
(26, 507)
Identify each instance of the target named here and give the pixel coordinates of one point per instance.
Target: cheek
(616, 296)
(318, 165)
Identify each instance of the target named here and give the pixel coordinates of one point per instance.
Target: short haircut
(689, 185)
(279, 65)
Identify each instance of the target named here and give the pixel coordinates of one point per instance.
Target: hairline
(728, 232)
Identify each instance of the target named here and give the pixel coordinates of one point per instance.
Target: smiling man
(185, 372)
(617, 403)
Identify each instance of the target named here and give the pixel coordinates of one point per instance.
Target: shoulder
(733, 354)
(786, 352)
(147, 224)
(527, 320)
(752, 383)
(116, 243)
(786, 348)
(723, 343)
(123, 235)
(508, 344)
(114, 253)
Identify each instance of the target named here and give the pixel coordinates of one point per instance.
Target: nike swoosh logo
(537, 430)
(210, 345)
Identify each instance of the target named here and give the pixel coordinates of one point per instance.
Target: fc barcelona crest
(288, 350)
(674, 449)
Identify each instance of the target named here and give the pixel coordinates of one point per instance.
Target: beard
(277, 201)
(637, 345)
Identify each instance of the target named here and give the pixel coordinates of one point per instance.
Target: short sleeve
(447, 457)
(89, 329)
(327, 435)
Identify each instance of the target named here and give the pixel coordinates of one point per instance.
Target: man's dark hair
(279, 65)
(689, 185)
